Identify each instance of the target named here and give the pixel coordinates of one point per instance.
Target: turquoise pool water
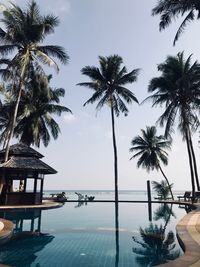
(85, 236)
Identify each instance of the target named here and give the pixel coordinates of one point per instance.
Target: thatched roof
(28, 164)
(21, 150)
(24, 158)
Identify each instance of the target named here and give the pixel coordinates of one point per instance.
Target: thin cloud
(60, 7)
(69, 118)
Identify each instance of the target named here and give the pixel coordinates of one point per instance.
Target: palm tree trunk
(116, 234)
(13, 123)
(116, 190)
(115, 155)
(194, 163)
(6, 138)
(191, 165)
(166, 181)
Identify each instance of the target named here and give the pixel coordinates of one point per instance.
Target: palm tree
(24, 31)
(178, 89)
(170, 9)
(36, 108)
(150, 149)
(108, 83)
(162, 189)
(155, 246)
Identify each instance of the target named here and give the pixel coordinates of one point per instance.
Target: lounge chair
(186, 196)
(80, 196)
(91, 198)
(61, 197)
(196, 196)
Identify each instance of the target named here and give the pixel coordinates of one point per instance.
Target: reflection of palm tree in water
(117, 233)
(155, 246)
(164, 211)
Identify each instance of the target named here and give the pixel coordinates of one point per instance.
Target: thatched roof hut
(24, 163)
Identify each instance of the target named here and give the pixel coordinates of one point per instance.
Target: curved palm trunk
(115, 156)
(191, 164)
(194, 162)
(166, 181)
(13, 123)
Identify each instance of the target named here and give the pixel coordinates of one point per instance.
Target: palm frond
(55, 51)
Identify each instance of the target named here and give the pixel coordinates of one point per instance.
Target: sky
(83, 153)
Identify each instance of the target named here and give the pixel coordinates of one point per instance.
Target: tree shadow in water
(155, 246)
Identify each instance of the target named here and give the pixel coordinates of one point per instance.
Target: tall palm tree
(108, 83)
(170, 9)
(36, 108)
(178, 89)
(21, 36)
(150, 149)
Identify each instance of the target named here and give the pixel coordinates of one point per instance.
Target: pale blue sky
(83, 154)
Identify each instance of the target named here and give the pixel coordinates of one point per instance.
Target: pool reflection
(27, 237)
(154, 246)
(99, 235)
(29, 220)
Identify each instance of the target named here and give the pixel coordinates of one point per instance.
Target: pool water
(86, 236)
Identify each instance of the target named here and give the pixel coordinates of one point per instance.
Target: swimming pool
(85, 236)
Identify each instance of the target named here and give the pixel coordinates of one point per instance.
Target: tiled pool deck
(188, 232)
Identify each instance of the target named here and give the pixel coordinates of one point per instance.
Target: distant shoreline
(99, 190)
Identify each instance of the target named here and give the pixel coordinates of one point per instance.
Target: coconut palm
(162, 189)
(170, 9)
(178, 89)
(21, 36)
(108, 83)
(150, 149)
(38, 104)
(155, 247)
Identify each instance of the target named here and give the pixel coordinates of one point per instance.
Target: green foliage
(150, 149)
(177, 89)
(22, 33)
(108, 83)
(170, 9)
(38, 103)
(162, 189)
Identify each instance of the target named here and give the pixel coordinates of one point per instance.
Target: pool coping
(46, 204)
